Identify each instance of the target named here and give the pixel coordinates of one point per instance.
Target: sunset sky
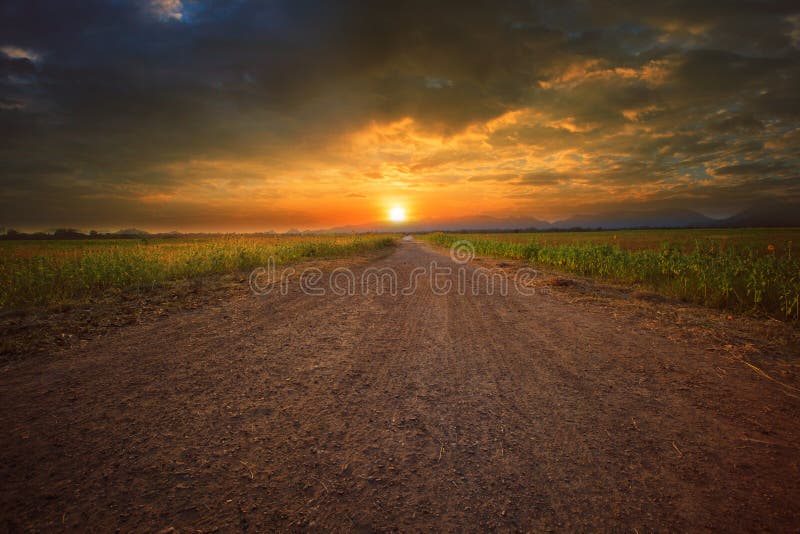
(250, 116)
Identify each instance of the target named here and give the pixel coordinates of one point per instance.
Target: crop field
(34, 273)
(748, 269)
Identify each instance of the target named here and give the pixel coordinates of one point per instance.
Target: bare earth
(376, 412)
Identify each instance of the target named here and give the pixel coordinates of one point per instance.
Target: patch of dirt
(573, 408)
(771, 342)
(649, 296)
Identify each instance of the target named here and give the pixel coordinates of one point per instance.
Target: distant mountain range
(479, 222)
(785, 214)
(778, 214)
(677, 218)
(132, 232)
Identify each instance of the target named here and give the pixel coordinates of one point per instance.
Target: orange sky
(253, 116)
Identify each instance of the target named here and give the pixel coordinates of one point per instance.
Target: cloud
(167, 9)
(755, 169)
(292, 105)
(16, 52)
(501, 177)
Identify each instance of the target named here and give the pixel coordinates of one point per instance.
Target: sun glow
(397, 214)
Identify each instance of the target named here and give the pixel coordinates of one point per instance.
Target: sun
(397, 214)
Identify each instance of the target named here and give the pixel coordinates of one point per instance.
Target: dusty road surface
(380, 412)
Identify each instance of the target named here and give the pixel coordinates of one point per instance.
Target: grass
(41, 273)
(749, 269)
(683, 239)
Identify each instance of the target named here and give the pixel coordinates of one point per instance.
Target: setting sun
(397, 214)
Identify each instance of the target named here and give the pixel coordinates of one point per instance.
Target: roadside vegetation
(749, 269)
(37, 273)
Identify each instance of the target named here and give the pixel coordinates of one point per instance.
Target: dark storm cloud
(760, 168)
(746, 123)
(106, 97)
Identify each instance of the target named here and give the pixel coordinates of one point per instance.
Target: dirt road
(381, 412)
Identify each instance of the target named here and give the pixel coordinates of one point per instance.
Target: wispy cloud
(167, 9)
(17, 52)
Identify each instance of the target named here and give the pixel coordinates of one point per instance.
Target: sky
(251, 116)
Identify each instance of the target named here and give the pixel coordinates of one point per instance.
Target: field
(745, 269)
(748, 269)
(545, 412)
(36, 273)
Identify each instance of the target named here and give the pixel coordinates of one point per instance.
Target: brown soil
(581, 407)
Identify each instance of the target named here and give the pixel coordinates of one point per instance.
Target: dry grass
(748, 269)
(41, 273)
